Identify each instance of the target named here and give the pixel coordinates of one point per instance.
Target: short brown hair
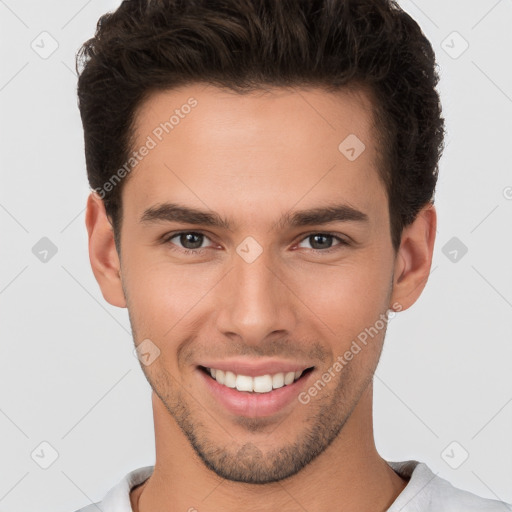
(150, 45)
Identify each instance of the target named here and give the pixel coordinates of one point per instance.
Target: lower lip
(254, 405)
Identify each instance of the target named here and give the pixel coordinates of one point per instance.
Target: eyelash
(167, 240)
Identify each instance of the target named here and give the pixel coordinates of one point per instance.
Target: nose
(255, 300)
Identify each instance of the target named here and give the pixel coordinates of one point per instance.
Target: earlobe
(103, 255)
(414, 258)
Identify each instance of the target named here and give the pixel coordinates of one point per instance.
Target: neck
(348, 476)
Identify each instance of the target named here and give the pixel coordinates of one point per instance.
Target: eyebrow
(173, 212)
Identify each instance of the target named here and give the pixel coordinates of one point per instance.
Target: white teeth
(262, 384)
(278, 380)
(259, 384)
(244, 383)
(289, 377)
(219, 376)
(230, 379)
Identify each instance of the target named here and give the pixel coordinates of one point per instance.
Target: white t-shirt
(425, 492)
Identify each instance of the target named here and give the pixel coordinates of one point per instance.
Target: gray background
(68, 374)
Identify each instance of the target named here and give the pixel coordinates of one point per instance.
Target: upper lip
(253, 368)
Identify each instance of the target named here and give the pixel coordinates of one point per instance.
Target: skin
(252, 158)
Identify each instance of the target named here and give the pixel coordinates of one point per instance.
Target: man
(263, 177)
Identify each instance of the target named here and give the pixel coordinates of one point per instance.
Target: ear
(414, 259)
(103, 255)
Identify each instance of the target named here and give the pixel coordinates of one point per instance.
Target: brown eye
(195, 240)
(322, 242)
(190, 241)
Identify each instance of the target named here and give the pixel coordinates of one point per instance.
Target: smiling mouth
(259, 384)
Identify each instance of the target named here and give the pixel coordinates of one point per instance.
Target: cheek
(349, 299)
(162, 295)
(339, 297)
(346, 296)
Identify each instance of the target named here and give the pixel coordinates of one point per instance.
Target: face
(253, 285)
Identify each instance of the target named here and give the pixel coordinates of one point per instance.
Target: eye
(191, 240)
(323, 242)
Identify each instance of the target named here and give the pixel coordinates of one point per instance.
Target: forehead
(279, 115)
(215, 147)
